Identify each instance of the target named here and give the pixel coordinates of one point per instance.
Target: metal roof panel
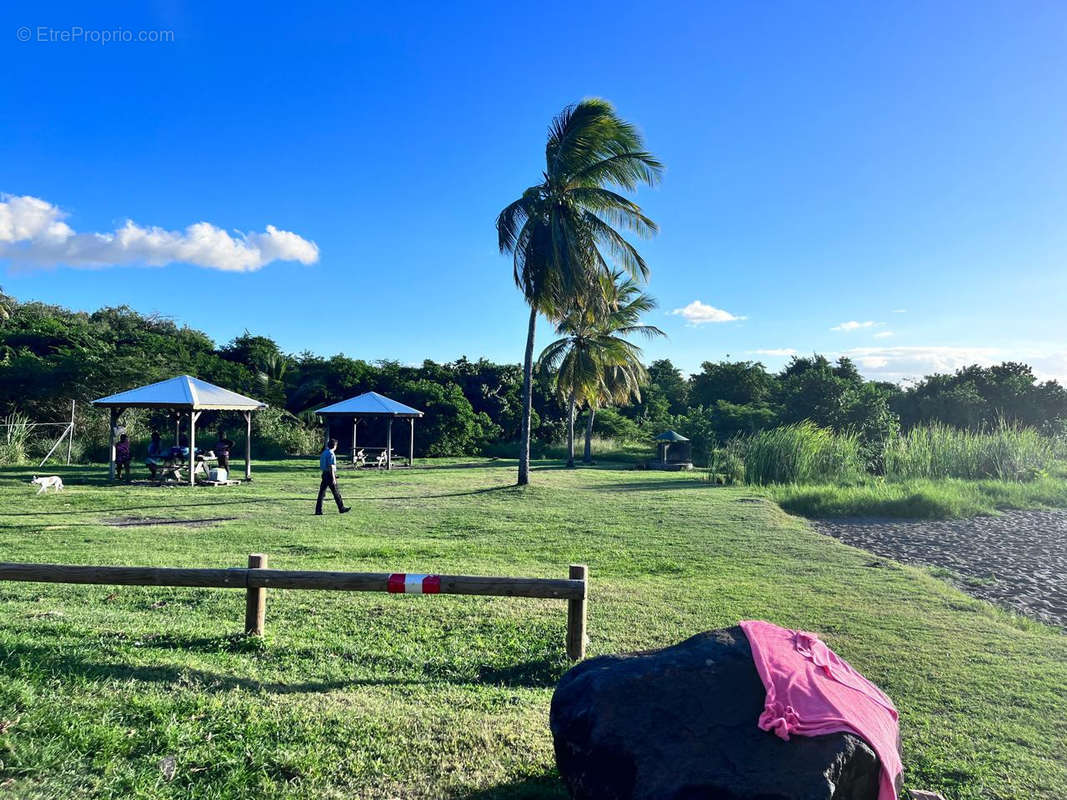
(183, 391)
(370, 404)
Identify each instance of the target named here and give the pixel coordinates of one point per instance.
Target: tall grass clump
(14, 436)
(801, 453)
(1005, 452)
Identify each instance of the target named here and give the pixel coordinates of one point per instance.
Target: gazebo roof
(184, 392)
(369, 404)
(671, 436)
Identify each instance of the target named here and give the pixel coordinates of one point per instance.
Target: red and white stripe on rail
(412, 583)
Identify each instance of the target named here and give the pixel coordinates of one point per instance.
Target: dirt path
(1018, 559)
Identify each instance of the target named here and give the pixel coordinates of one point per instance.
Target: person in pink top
(812, 691)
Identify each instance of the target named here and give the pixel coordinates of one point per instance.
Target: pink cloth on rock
(812, 691)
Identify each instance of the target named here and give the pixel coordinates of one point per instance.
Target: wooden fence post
(576, 615)
(255, 599)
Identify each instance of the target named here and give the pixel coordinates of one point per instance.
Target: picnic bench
(171, 468)
(360, 459)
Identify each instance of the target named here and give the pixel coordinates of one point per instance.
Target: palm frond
(614, 209)
(627, 169)
(622, 252)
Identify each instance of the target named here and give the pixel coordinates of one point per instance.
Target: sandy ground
(1018, 560)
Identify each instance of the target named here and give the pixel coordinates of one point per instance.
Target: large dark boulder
(680, 724)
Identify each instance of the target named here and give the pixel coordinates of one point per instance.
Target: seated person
(122, 456)
(222, 451)
(157, 453)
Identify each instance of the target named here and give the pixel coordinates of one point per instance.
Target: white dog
(48, 482)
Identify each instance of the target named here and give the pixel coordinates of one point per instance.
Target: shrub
(276, 433)
(14, 438)
(609, 424)
(698, 426)
(451, 427)
(801, 453)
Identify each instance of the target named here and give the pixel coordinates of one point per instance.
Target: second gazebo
(374, 405)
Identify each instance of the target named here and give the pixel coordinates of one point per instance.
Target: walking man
(328, 465)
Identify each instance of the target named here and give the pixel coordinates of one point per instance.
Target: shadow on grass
(541, 787)
(64, 663)
(659, 486)
(486, 490)
(112, 509)
(490, 462)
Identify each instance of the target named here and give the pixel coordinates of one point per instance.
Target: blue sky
(898, 166)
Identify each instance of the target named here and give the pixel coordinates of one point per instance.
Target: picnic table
(171, 467)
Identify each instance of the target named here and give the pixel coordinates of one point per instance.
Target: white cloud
(883, 334)
(853, 325)
(33, 233)
(1048, 359)
(902, 363)
(1051, 366)
(900, 311)
(697, 313)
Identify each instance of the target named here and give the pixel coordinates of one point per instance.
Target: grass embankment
(371, 696)
(949, 498)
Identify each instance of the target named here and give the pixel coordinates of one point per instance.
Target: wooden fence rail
(257, 578)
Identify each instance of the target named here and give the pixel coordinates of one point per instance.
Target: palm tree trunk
(570, 432)
(588, 456)
(527, 403)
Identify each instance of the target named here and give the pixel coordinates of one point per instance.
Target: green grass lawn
(375, 695)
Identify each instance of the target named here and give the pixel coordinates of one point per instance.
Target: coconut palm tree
(593, 361)
(561, 231)
(622, 378)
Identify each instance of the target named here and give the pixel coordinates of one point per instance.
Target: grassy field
(149, 692)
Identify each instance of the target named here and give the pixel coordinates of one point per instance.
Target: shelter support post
(355, 421)
(177, 429)
(248, 446)
(111, 443)
(193, 415)
(411, 444)
(389, 445)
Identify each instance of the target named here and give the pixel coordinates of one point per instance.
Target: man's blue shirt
(327, 459)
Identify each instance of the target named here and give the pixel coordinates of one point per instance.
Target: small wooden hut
(673, 452)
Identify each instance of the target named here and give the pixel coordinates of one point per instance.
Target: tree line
(51, 355)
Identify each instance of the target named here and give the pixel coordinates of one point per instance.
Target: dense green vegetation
(369, 696)
(50, 355)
